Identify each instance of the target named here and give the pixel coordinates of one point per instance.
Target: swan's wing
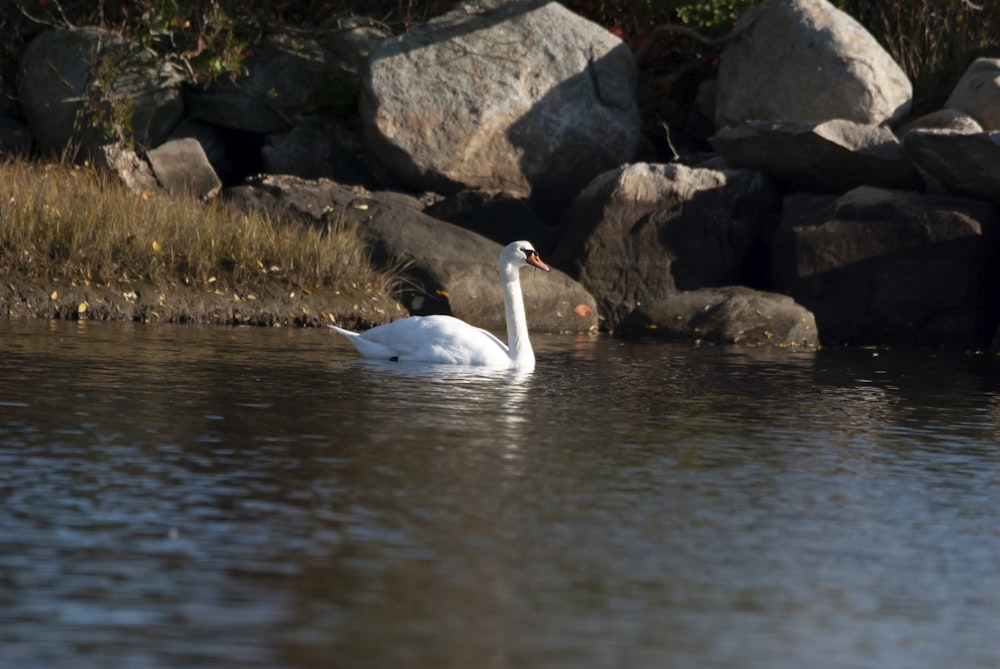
(442, 339)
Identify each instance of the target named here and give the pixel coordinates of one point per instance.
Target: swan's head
(519, 254)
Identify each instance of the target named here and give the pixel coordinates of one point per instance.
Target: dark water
(214, 497)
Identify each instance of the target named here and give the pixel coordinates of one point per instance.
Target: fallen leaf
(54, 295)
(582, 310)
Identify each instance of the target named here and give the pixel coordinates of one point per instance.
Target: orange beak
(536, 261)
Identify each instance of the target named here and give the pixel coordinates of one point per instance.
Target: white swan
(448, 340)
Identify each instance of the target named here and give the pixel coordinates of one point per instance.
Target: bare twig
(66, 23)
(664, 28)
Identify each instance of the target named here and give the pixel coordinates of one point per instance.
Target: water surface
(218, 497)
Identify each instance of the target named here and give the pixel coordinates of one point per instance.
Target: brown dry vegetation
(66, 229)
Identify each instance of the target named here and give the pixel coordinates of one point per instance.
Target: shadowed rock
(727, 315)
(642, 232)
(887, 267)
(968, 163)
(69, 77)
(833, 156)
(287, 77)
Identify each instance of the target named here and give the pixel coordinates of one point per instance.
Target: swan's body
(448, 340)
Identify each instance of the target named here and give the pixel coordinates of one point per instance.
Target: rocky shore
(822, 213)
(258, 305)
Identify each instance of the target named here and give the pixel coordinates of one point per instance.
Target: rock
(126, 165)
(68, 76)
(353, 39)
(888, 267)
(643, 232)
(977, 93)
(303, 150)
(212, 143)
(944, 119)
(804, 61)
(10, 106)
(727, 315)
(288, 77)
(965, 163)
(443, 268)
(495, 215)
(183, 168)
(15, 138)
(525, 97)
(832, 156)
(318, 147)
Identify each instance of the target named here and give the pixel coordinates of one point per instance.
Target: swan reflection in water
(458, 388)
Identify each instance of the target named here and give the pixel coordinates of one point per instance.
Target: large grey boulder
(523, 97)
(967, 163)
(70, 77)
(977, 93)
(889, 267)
(805, 61)
(726, 315)
(645, 231)
(289, 76)
(832, 156)
(443, 268)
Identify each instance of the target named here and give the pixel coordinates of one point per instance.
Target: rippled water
(215, 497)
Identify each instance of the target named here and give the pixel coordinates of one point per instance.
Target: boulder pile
(825, 213)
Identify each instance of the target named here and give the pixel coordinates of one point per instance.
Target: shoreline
(261, 305)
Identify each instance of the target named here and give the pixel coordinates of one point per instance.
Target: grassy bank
(74, 243)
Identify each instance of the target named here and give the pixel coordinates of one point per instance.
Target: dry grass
(934, 41)
(69, 224)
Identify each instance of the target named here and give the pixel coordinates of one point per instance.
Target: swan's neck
(518, 343)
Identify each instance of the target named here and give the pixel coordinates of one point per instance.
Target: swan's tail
(346, 333)
(367, 349)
